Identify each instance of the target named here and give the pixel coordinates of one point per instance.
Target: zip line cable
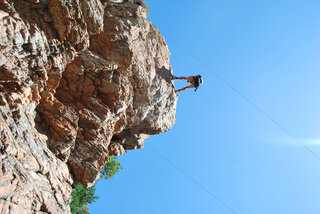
(193, 180)
(245, 98)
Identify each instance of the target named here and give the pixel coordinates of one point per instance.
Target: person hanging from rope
(195, 81)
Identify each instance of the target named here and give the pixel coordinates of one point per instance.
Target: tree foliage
(81, 196)
(111, 168)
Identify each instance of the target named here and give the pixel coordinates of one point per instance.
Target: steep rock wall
(80, 80)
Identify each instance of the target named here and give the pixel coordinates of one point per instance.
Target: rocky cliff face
(80, 80)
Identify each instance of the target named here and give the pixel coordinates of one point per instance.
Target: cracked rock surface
(80, 80)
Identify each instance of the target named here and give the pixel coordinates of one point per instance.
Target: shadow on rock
(165, 74)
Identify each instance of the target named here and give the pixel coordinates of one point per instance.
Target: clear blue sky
(269, 51)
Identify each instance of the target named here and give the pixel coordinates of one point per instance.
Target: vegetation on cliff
(82, 196)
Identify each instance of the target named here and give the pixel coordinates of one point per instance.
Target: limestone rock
(79, 81)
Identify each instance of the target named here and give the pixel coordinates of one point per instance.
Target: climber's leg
(182, 89)
(190, 79)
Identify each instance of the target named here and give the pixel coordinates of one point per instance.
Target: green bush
(111, 168)
(81, 196)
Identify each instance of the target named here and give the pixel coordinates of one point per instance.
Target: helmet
(198, 82)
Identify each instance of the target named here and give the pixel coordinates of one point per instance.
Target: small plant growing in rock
(147, 8)
(156, 35)
(143, 4)
(111, 168)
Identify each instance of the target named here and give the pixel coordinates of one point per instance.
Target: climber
(195, 81)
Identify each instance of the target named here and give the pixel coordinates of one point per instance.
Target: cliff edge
(80, 80)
